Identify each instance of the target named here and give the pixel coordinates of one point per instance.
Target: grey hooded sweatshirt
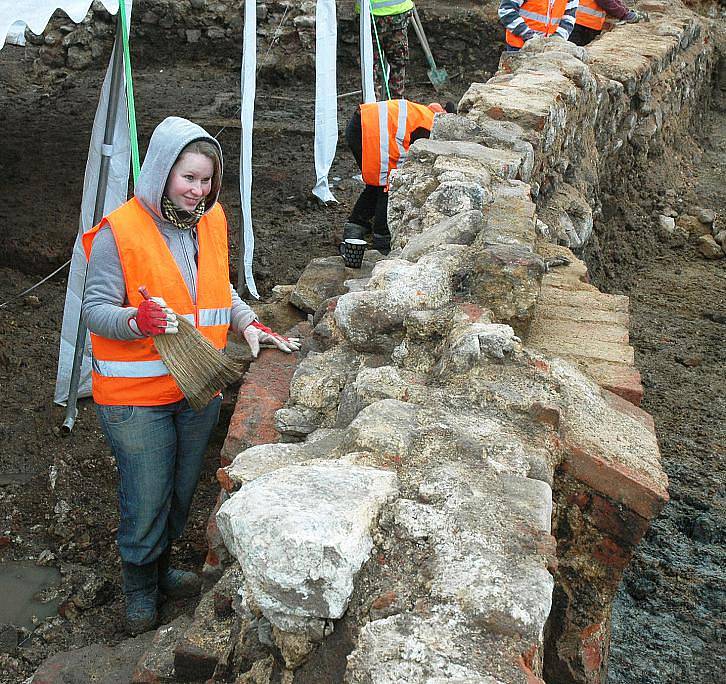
(105, 305)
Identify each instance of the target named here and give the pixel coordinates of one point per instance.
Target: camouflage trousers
(392, 33)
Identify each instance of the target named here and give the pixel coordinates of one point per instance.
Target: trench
(668, 616)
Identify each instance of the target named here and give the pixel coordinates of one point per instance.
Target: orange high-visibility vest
(590, 14)
(386, 129)
(542, 16)
(131, 372)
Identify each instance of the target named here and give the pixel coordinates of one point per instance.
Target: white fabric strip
(326, 100)
(118, 181)
(366, 52)
(249, 67)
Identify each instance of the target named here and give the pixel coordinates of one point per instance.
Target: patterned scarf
(184, 220)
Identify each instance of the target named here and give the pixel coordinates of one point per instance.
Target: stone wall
(464, 473)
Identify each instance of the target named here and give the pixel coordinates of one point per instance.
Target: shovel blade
(438, 77)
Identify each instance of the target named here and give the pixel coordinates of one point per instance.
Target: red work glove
(154, 317)
(256, 333)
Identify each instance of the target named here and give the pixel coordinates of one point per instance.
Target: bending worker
(171, 237)
(591, 17)
(526, 19)
(377, 151)
(390, 25)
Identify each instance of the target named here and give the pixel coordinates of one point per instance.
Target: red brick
(609, 553)
(617, 521)
(619, 403)
(225, 480)
(265, 389)
(384, 600)
(546, 414)
(616, 481)
(592, 651)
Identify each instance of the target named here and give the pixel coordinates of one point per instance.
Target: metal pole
(106, 152)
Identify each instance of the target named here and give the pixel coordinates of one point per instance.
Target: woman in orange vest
(172, 238)
(526, 19)
(379, 135)
(591, 16)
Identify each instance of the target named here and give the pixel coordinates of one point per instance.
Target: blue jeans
(159, 453)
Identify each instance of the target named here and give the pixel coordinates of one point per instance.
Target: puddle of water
(27, 591)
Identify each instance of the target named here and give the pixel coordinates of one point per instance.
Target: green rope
(135, 165)
(381, 56)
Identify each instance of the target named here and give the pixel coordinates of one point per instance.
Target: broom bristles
(199, 368)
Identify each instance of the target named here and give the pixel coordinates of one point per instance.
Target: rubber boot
(176, 583)
(382, 243)
(354, 231)
(140, 591)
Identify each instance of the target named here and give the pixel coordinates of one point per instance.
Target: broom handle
(144, 292)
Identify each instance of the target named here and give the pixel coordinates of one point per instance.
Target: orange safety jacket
(542, 16)
(386, 129)
(131, 372)
(590, 14)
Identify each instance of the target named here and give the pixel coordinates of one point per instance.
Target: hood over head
(169, 138)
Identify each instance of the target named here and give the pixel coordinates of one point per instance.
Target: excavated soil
(57, 493)
(668, 618)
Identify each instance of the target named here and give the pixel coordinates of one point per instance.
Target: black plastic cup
(353, 252)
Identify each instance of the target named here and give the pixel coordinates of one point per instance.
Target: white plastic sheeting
(326, 101)
(36, 13)
(247, 113)
(366, 52)
(116, 194)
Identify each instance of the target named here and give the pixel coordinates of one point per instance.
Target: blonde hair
(210, 151)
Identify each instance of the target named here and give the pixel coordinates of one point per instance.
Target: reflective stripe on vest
(131, 372)
(542, 16)
(590, 14)
(386, 129)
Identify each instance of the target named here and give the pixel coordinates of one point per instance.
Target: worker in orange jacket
(527, 19)
(591, 16)
(172, 238)
(379, 135)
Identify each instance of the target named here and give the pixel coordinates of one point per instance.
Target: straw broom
(198, 367)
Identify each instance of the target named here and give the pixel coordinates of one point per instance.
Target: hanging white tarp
(36, 13)
(366, 52)
(247, 112)
(326, 100)
(116, 192)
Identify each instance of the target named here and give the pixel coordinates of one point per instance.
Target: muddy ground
(57, 499)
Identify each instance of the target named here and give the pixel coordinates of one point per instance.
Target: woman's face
(190, 180)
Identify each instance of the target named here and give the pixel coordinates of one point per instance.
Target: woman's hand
(154, 317)
(257, 334)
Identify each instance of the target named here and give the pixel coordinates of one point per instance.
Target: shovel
(438, 77)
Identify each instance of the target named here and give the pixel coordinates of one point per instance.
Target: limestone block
(505, 279)
(297, 421)
(438, 647)
(319, 378)
(385, 427)
(372, 320)
(301, 534)
(325, 277)
(258, 460)
(460, 229)
(503, 135)
(468, 346)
